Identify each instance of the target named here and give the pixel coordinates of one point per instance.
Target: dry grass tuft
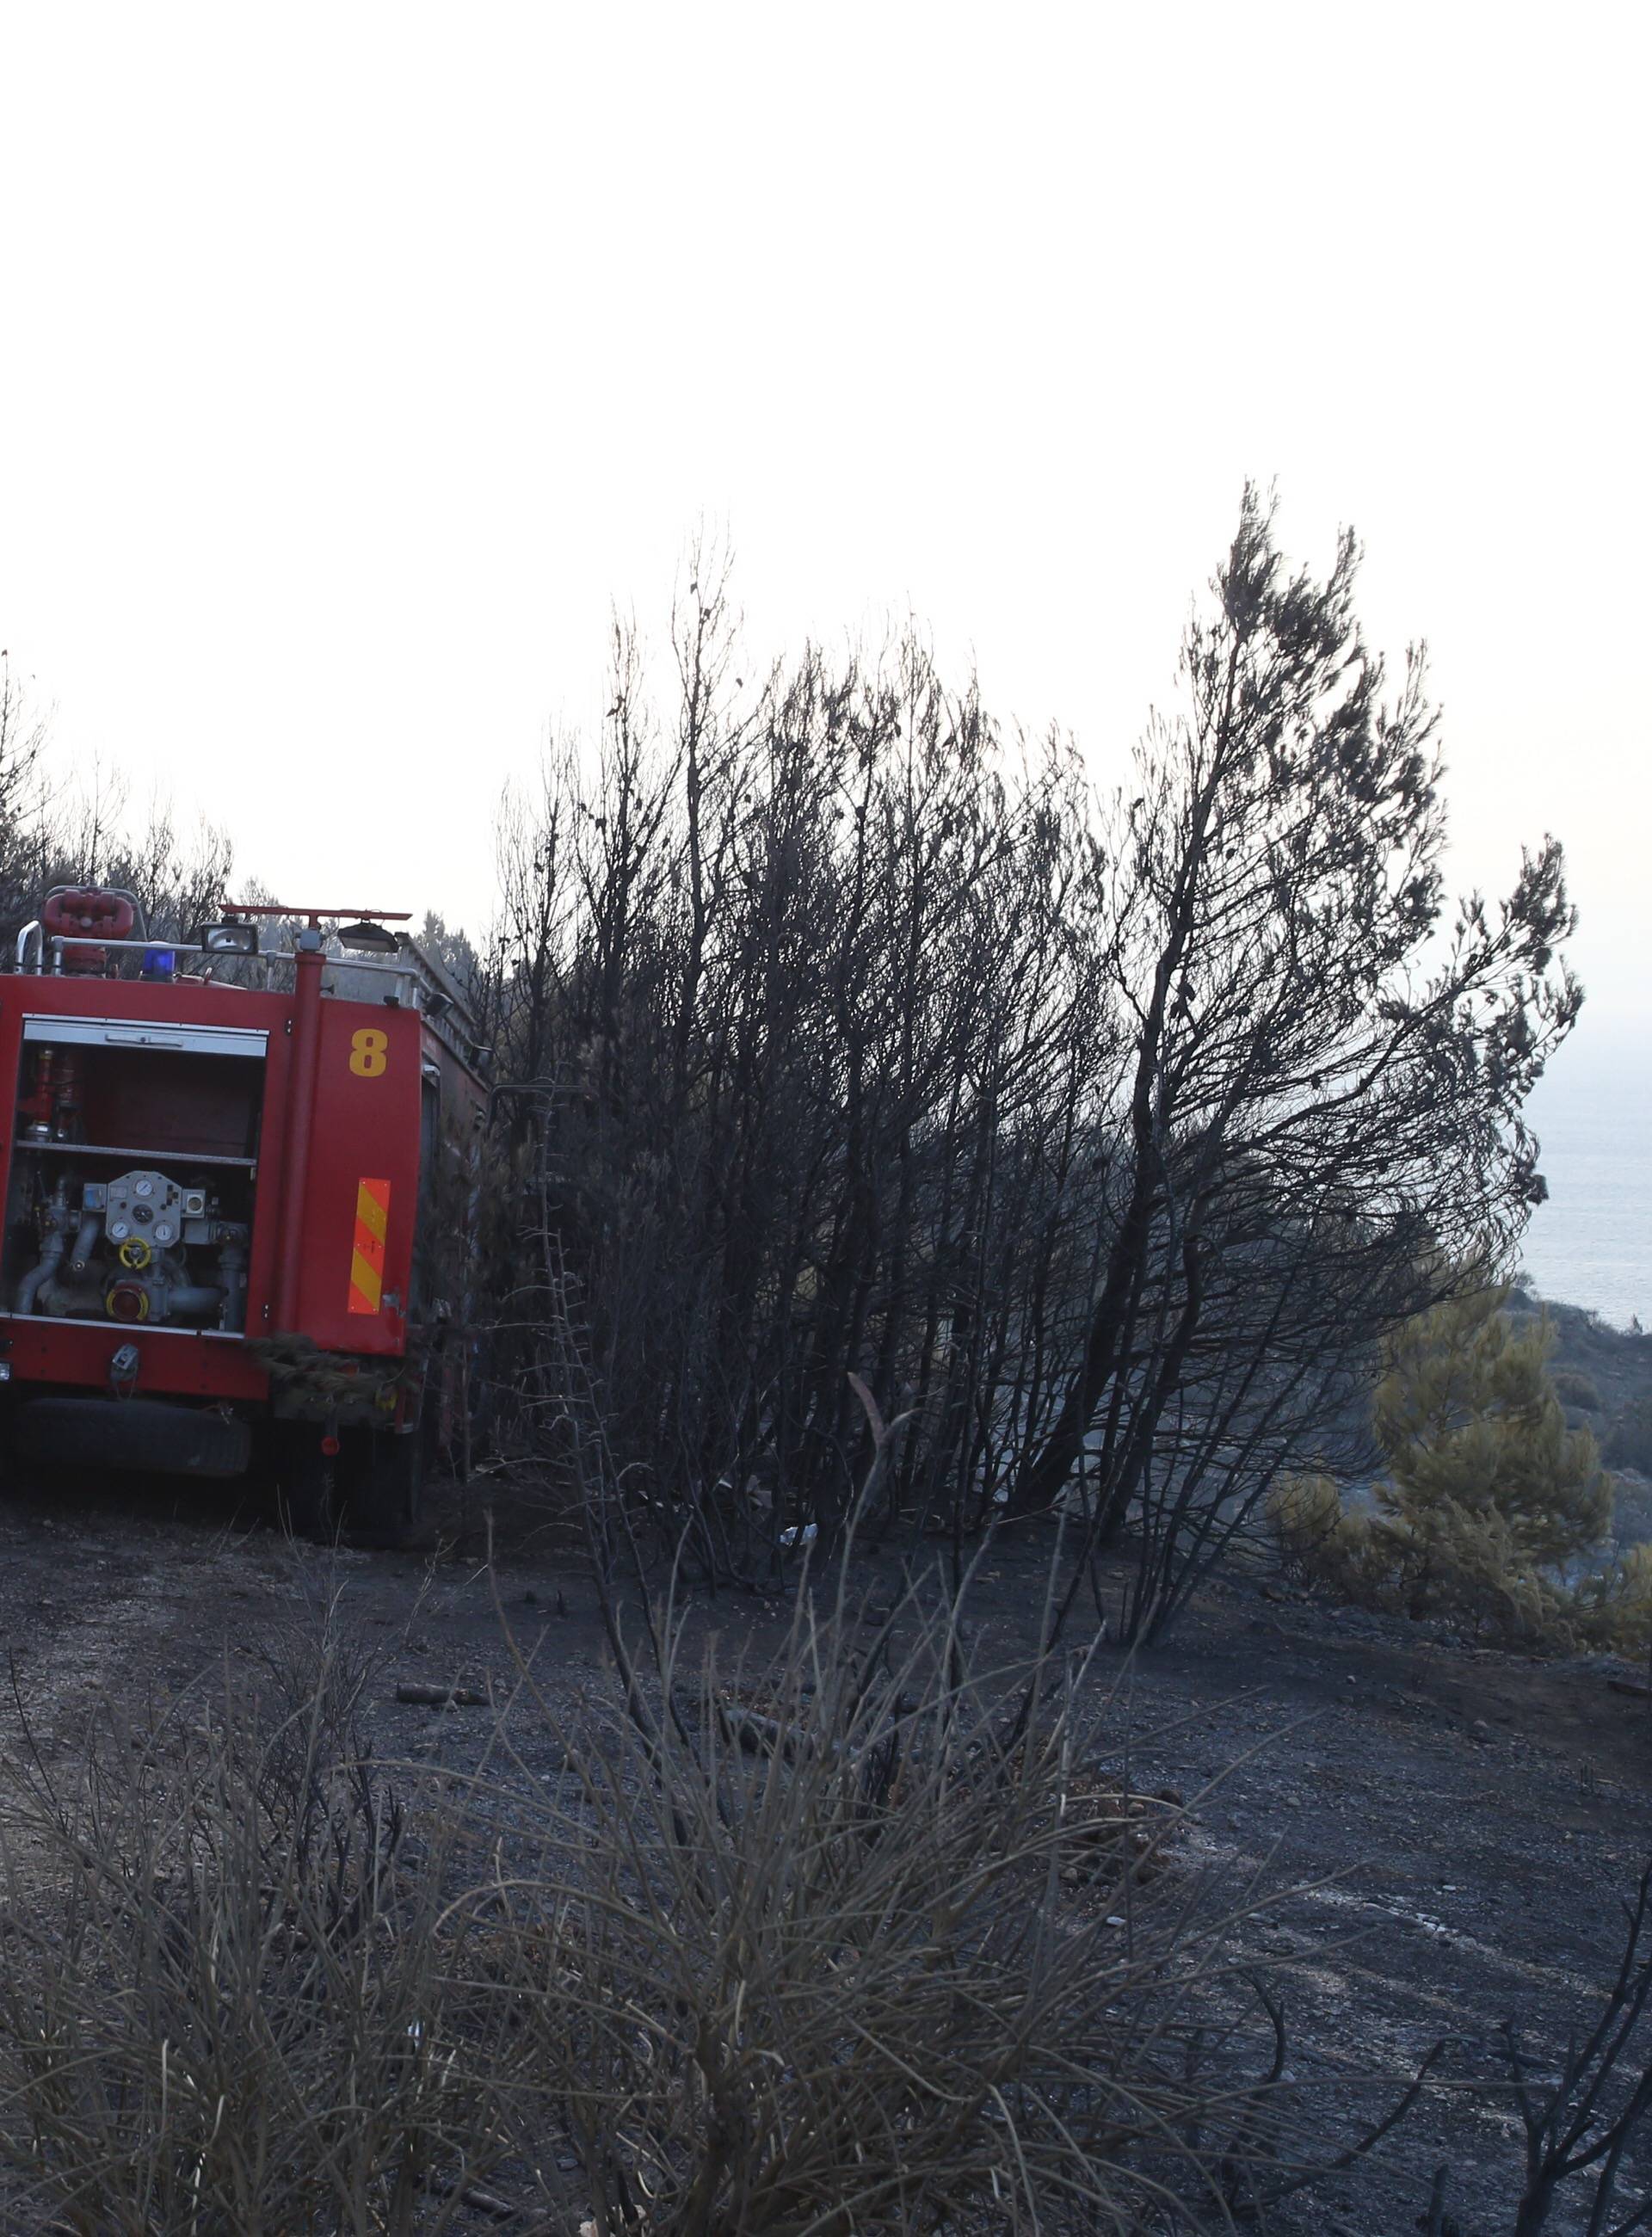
(222, 2008)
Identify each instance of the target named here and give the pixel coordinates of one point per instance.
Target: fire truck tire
(384, 1485)
(141, 1433)
(306, 1497)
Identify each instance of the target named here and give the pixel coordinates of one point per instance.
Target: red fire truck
(240, 1180)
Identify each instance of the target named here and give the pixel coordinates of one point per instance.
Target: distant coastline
(1590, 1244)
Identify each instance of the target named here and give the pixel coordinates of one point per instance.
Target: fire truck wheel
(383, 1485)
(306, 1497)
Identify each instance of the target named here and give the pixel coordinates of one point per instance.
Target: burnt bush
(1103, 1138)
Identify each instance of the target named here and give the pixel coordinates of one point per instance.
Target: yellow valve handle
(135, 1253)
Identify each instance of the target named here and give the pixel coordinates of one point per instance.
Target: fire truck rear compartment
(134, 1174)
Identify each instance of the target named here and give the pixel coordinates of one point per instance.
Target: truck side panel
(362, 1185)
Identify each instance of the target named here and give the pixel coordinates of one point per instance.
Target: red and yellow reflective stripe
(367, 1261)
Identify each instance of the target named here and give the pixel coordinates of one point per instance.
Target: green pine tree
(1489, 1503)
(1476, 1440)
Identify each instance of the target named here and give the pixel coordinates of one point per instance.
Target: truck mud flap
(142, 1434)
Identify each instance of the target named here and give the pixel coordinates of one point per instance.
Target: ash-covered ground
(1446, 1834)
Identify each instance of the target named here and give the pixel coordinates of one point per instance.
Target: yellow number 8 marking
(368, 1058)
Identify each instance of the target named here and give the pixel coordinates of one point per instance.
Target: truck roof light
(230, 938)
(368, 938)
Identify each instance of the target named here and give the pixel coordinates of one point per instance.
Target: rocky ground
(1446, 1835)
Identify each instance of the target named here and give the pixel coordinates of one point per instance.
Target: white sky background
(353, 359)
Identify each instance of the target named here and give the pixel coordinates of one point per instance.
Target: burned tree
(806, 985)
(1322, 1109)
(1102, 1144)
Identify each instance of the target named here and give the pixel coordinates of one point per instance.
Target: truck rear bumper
(148, 1434)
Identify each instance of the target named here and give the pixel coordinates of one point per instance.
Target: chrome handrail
(406, 973)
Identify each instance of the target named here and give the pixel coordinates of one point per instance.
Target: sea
(1590, 1244)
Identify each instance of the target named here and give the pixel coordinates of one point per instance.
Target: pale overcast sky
(354, 358)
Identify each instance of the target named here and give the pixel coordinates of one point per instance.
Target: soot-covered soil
(1447, 1834)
